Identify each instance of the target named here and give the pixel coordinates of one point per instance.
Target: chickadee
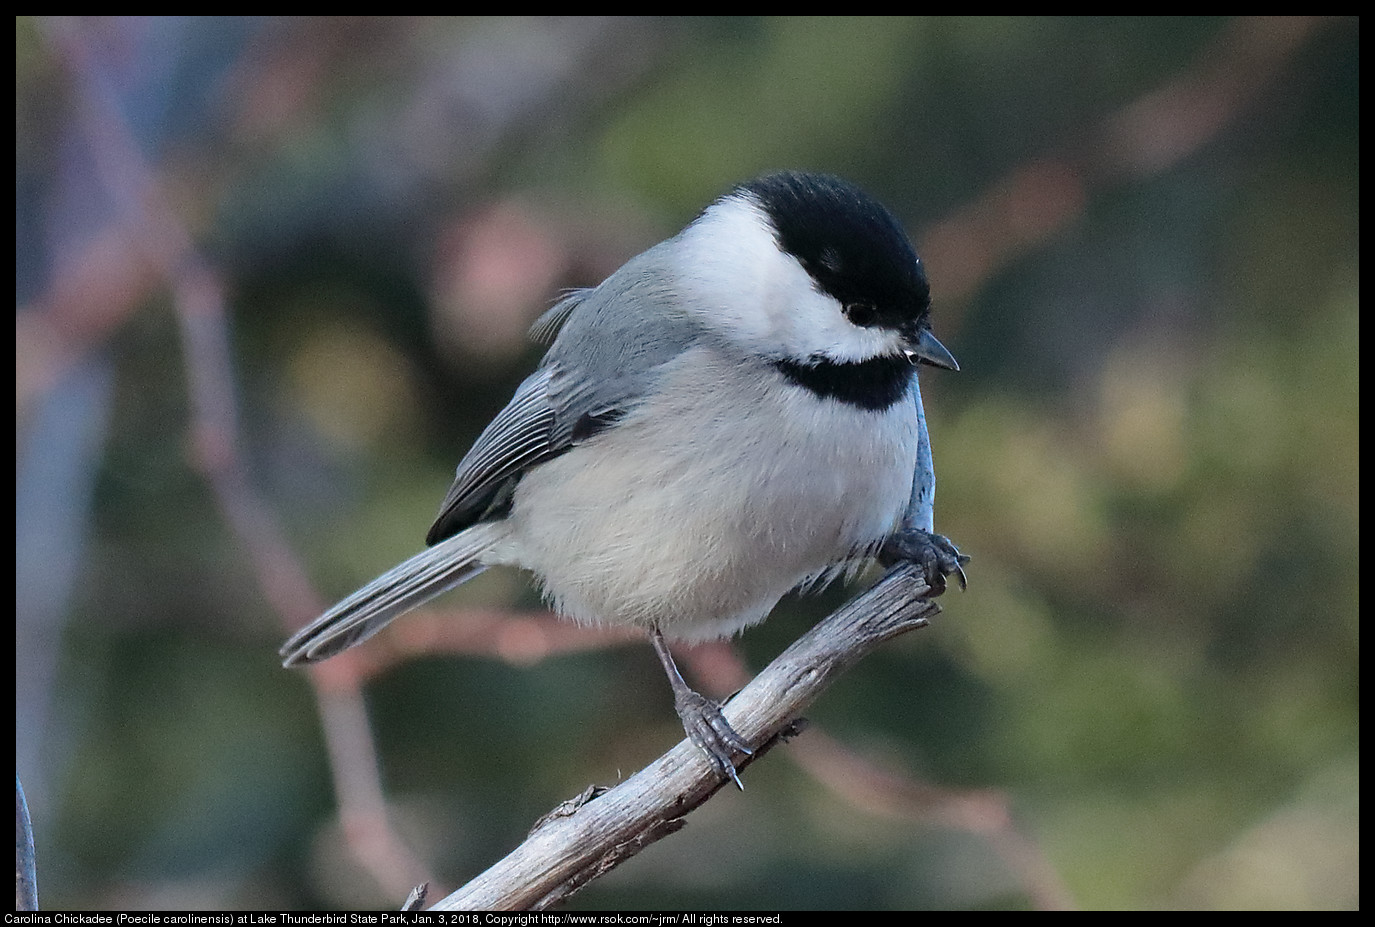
(731, 415)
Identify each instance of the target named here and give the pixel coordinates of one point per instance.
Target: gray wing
(612, 342)
(519, 437)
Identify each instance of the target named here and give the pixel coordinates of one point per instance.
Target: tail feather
(400, 589)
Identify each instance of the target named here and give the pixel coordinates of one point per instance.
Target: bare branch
(583, 839)
(416, 898)
(872, 786)
(1146, 137)
(198, 294)
(25, 869)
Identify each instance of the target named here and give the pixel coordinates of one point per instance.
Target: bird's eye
(861, 314)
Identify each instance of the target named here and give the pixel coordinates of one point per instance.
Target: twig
(986, 813)
(1149, 135)
(199, 300)
(25, 869)
(416, 898)
(869, 786)
(567, 850)
(515, 637)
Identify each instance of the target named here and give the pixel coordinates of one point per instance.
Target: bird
(731, 415)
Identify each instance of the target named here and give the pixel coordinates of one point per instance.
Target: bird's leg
(702, 719)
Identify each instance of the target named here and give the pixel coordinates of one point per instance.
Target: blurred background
(272, 275)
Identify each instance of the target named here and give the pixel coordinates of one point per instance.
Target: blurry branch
(163, 244)
(587, 837)
(862, 782)
(25, 868)
(866, 785)
(985, 813)
(1146, 137)
(90, 296)
(519, 639)
(522, 640)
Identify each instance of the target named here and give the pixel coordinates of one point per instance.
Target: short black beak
(927, 350)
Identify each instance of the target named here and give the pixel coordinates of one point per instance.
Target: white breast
(698, 511)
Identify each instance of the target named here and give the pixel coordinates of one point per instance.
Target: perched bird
(732, 414)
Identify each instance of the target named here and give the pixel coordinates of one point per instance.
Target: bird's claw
(933, 553)
(709, 730)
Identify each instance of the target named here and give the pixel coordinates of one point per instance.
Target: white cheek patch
(762, 298)
(810, 323)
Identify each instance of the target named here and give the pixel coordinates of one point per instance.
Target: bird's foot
(934, 553)
(709, 730)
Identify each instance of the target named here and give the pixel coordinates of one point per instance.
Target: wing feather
(610, 344)
(522, 435)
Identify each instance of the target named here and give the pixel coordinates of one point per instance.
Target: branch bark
(25, 868)
(588, 836)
